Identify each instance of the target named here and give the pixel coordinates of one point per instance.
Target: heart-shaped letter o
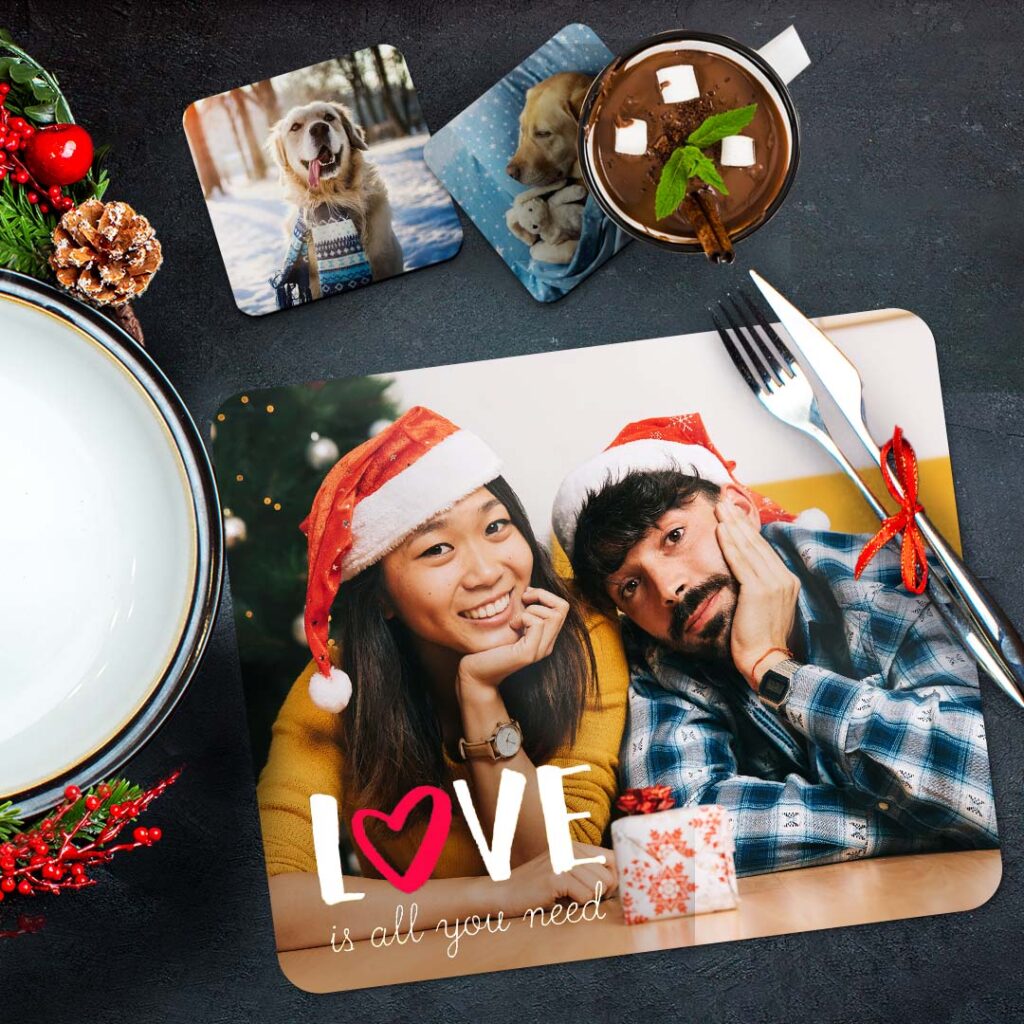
(430, 847)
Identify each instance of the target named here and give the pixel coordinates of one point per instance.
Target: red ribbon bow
(646, 800)
(913, 560)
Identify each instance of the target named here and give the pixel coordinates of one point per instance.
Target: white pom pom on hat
(331, 692)
(369, 502)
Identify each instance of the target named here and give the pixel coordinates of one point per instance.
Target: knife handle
(991, 619)
(961, 622)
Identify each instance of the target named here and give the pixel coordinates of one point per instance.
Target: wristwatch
(774, 686)
(506, 741)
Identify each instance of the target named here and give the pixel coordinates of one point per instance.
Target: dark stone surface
(908, 195)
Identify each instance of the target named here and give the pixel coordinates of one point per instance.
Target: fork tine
(765, 326)
(759, 343)
(746, 341)
(734, 354)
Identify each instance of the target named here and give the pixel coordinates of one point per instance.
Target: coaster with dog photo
(510, 161)
(315, 180)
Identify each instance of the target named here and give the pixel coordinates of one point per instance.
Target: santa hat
(372, 499)
(670, 442)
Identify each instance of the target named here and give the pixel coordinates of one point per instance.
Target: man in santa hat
(833, 716)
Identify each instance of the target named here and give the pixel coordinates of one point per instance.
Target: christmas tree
(272, 449)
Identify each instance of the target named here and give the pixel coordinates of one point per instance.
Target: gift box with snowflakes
(672, 861)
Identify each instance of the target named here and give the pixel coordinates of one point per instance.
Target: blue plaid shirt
(879, 748)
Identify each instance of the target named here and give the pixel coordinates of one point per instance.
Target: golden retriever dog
(547, 149)
(319, 149)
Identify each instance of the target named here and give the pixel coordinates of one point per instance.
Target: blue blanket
(469, 155)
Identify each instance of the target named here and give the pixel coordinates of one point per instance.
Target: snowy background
(253, 221)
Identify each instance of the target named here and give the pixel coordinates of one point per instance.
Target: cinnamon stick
(701, 209)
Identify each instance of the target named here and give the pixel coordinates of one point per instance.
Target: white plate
(109, 545)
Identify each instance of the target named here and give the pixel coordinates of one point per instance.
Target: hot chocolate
(671, 97)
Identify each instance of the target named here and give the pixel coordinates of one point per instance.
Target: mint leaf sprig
(688, 161)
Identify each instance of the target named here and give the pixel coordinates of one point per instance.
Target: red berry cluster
(52, 858)
(15, 133)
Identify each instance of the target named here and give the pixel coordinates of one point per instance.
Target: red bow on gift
(913, 560)
(646, 800)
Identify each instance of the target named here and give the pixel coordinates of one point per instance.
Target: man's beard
(712, 642)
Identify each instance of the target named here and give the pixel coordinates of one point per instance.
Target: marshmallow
(737, 151)
(631, 138)
(678, 83)
(786, 54)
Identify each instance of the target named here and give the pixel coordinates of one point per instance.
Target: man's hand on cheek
(766, 605)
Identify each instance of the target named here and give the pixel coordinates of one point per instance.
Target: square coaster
(561, 238)
(315, 180)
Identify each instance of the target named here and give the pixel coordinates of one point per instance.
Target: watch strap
(773, 689)
(487, 748)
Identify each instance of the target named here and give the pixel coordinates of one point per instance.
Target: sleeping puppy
(320, 152)
(548, 125)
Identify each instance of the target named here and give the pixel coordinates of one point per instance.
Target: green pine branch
(24, 233)
(10, 821)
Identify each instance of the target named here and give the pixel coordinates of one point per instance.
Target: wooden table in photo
(807, 899)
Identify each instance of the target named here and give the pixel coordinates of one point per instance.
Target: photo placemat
(500, 690)
(509, 160)
(315, 181)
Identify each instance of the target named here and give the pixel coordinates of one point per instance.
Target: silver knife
(997, 645)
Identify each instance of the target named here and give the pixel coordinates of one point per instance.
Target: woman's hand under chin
(537, 618)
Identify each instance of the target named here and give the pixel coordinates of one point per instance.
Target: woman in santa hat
(457, 652)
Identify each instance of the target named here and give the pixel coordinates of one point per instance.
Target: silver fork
(784, 390)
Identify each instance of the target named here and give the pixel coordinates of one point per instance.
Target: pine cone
(105, 253)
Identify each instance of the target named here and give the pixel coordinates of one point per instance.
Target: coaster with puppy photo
(315, 180)
(509, 160)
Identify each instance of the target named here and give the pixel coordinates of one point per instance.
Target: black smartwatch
(774, 687)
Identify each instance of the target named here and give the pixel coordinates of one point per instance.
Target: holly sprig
(31, 98)
(55, 853)
(689, 161)
(37, 96)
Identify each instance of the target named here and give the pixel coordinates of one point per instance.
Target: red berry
(114, 810)
(54, 193)
(5, 88)
(103, 789)
(72, 793)
(91, 802)
(155, 835)
(27, 132)
(44, 207)
(77, 869)
(32, 197)
(141, 835)
(17, 123)
(25, 887)
(59, 154)
(3, 173)
(7, 865)
(7, 884)
(67, 203)
(12, 143)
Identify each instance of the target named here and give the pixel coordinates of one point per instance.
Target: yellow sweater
(306, 757)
